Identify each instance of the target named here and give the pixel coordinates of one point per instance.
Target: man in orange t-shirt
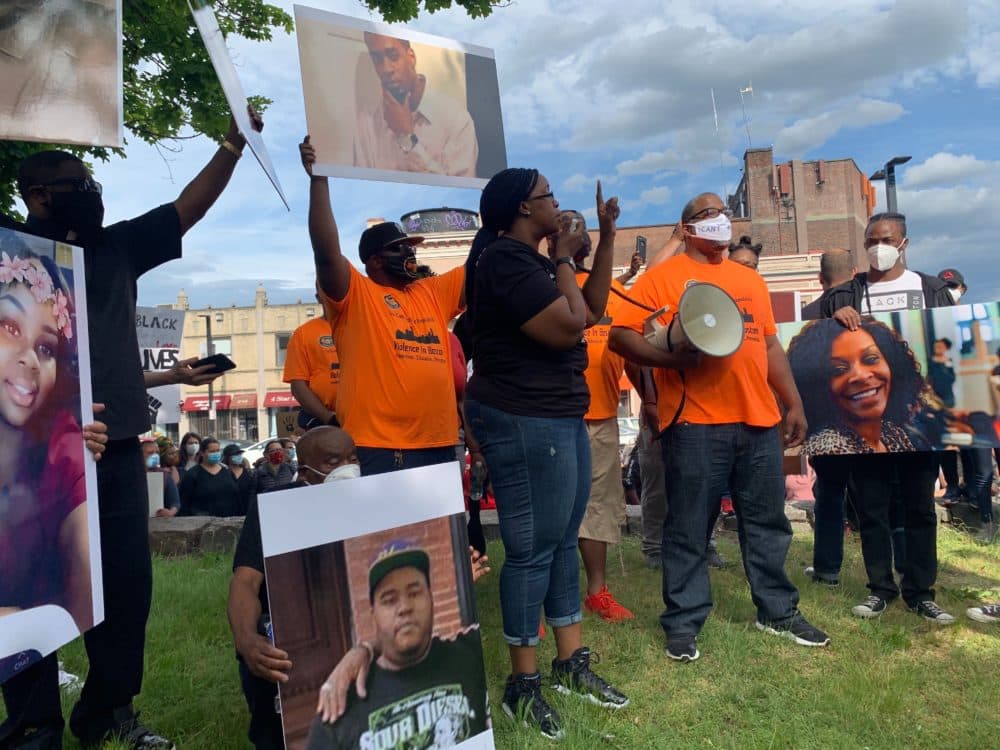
(396, 395)
(312, 369)
(722, 429)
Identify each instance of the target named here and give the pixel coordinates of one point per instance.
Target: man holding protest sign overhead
(397, 392)
(64, 204)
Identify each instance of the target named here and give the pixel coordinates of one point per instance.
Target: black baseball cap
(399, 553)
(231, 450)
(952, 277)
(382, 237)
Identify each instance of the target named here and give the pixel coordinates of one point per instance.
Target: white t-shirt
(903, 293)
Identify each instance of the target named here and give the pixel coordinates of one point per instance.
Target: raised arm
(633, 268)
(333, 270)
(595, 289)
(199, 195)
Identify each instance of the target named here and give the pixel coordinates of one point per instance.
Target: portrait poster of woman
(868, 390)
(50, 568)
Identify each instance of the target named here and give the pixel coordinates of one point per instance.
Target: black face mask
(82, 212)
(401, 266)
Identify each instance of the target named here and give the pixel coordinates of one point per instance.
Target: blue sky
(621, 92)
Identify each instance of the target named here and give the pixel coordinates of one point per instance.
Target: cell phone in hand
(640, 247)
(220, 363)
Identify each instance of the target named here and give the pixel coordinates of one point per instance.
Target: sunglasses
(78, 184)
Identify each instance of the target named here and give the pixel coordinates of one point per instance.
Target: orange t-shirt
(312, 356)
(604, 367)
(721, 389)
(397, 389)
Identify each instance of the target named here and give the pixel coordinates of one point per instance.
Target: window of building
(281, 348)
(221, 344)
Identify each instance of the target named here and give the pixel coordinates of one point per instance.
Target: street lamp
(889, 175)
(209, 351)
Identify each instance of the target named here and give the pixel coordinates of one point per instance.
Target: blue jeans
(979, 482)
(702, 460)
(540, 470)
(384, 460)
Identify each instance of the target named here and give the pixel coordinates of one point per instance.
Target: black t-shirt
(440, 700)
(207, 494)
(113, 262)
(247, 484)
(513, 372)
(250, 550)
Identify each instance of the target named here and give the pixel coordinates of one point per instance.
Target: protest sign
(913, 380)
(388, 103)
(61, 72)
(334, 575)
(50, 552)
(215, 43)
(159, 330)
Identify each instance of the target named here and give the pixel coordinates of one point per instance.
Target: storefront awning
(200, 403)
(280, 400)
(244, 401)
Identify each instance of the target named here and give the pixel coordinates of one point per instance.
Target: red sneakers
(603, 603)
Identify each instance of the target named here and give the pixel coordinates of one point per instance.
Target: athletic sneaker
(818, 578)
(871, 607)
(682, 648)
(572, 676)
(35, 738)
(603, 603)
(523, 701)
(985, 613)
(795, 628)
(931, 611)
(715, 560)
(131, 733)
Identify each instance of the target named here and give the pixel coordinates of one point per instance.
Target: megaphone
(707, 318)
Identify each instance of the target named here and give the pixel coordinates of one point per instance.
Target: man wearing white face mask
(956, 283)
(325, 454)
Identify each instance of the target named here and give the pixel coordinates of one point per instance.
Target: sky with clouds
(621, 92)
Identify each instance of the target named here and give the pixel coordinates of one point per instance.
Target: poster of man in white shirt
(402, 106)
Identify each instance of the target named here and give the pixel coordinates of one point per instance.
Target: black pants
(115, 648)
(265, 722)
(879, 480)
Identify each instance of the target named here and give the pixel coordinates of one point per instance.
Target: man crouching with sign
(722, 429)
(423, 691)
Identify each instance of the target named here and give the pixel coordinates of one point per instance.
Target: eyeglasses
(710, 213)
(540, 197)
(79, 184)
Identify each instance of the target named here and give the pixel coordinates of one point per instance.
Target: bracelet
(238, 153)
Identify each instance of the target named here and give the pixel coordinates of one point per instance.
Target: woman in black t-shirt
(208, 489)
(525, 405)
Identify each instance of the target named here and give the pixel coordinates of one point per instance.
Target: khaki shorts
(606, 506)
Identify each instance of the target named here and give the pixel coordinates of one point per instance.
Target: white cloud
(811, 132)
(656, 195)
(947, 169)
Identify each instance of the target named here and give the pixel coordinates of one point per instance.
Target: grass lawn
(898, 682)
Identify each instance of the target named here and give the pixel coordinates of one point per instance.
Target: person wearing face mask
(273, 471)
(190, 445)
(171, 496)
(232, 458)
(290, 458)
(396, 395)
(899, 486)
(955, 282)
(64, 203)
(724, 431)
(209, 489)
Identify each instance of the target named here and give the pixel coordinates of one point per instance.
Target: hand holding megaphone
(708, 321)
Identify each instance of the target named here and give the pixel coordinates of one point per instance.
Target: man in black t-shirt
(64, 204)
(423, 692)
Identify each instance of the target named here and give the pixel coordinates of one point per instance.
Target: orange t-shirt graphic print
(720, 390)
(312, 356)
(396, 384)
(604, 367)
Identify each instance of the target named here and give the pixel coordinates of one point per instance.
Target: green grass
(898, 682)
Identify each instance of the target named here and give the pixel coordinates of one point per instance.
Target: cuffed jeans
(540, 470)
(701, 461)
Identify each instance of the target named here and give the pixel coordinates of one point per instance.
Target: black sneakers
(871, 607)
(931, 611)
(572, 676)
(795, 628)
(133, 734)
(986, 613)
(682, 648)
(36, 738)
(523, 701)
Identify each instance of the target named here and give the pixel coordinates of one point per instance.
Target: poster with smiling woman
(50, 568)
(915, 380)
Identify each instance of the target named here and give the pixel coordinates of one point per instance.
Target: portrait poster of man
(382, 560)
(215, 44)
(159, 332)
(50, 552)
(387, 103)
(61, 71)
(914, 380)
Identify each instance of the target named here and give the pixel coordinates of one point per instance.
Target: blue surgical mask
(290, 452)
(153, 461)
(214, 457)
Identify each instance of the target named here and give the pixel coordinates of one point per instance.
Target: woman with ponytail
(525, 405)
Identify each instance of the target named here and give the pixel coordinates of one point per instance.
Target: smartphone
(640, 247)
(220, 363)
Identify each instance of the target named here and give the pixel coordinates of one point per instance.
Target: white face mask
(882, 257)
(344, 471)
(191, 448)
(955, 292)
(717, 229)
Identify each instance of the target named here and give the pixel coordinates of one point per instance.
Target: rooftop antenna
(722, 166)
(743, 104)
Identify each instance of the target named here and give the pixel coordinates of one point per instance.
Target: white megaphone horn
(707, 318)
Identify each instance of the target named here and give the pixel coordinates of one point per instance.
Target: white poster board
(61, 72)
(215, 43)
(50, 551)
(154, 485)
(159, 330)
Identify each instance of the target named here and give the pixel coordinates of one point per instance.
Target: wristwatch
(407, 143)
(567, 260)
